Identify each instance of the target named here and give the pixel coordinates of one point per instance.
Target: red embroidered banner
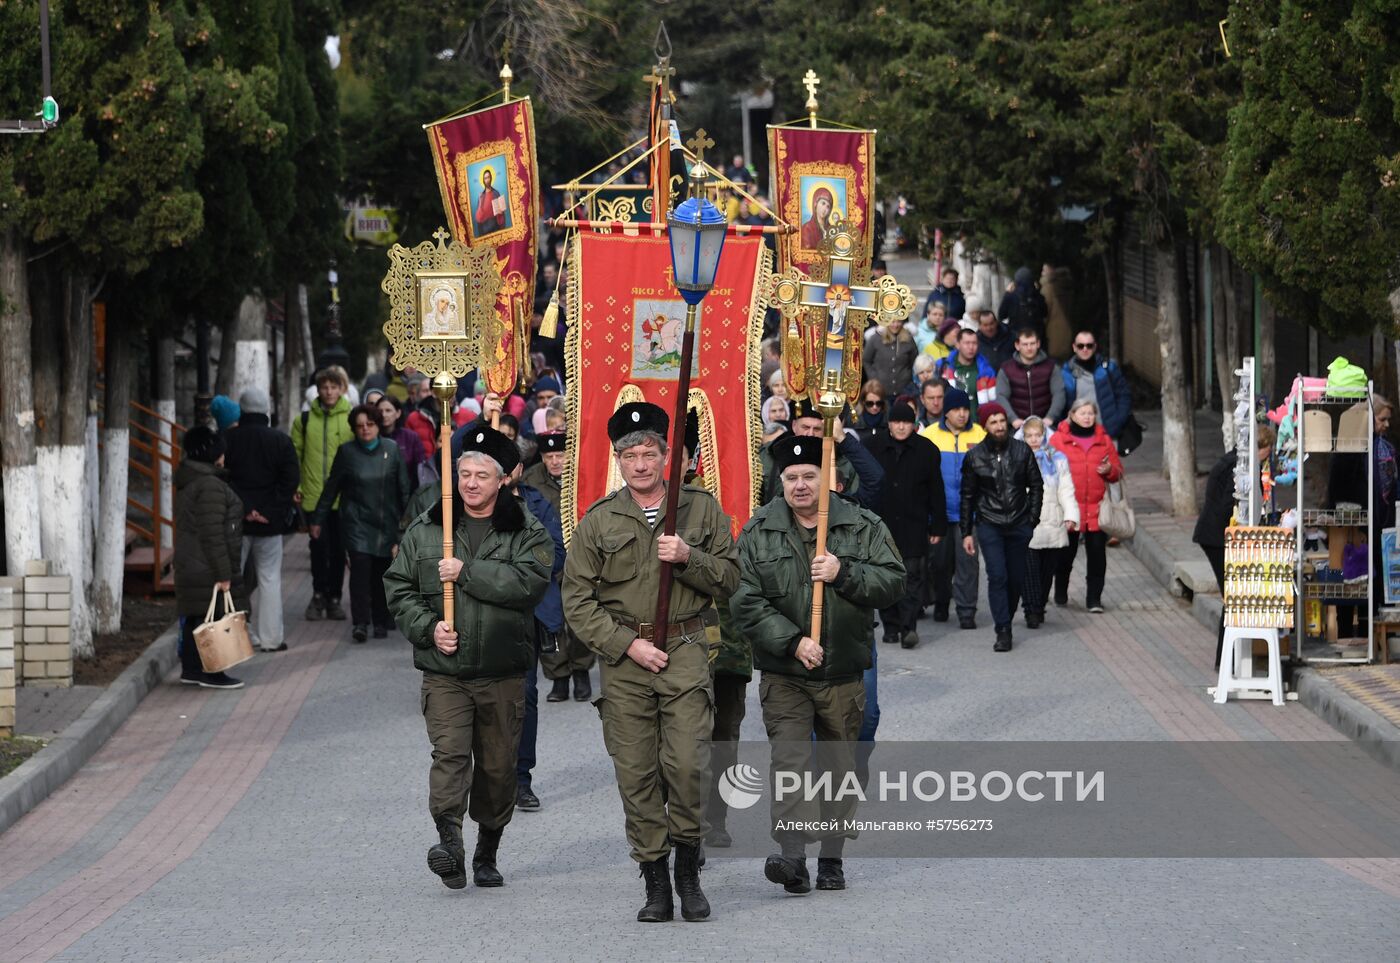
(624, 345)
(818, 176)
(486, 169)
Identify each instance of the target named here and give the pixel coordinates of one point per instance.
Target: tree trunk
(19, 474)
(71, 550)
(293, 357)
(1178, 436)
(1268, 362)
(225, 372)
(1113, 289)
(116, 441)
(250, 368)
(1222, 280)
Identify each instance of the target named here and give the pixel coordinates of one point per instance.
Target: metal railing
(155, 441)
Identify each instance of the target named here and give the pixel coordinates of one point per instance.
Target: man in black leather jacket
(1001, 493)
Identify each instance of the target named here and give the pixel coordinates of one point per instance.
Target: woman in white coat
(1059, 515)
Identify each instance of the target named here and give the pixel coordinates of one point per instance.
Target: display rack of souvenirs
(1259, 574)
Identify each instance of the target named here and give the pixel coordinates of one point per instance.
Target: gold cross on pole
(888, 301)
(810, 80)
(700, 143)
(661, 73)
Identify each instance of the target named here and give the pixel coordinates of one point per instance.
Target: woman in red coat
(1093, 463)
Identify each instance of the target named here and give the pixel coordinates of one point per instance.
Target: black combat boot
(447, 858)
(694, 905)
(660, 908)
(789, 870)
(829, 874)
(560, 692)
(484, 872)
(583, 689)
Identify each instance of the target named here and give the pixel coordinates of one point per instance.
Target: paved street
(288, 821)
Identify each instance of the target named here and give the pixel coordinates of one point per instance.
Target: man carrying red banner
(657, 704)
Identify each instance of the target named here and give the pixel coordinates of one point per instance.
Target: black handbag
(1130, 438)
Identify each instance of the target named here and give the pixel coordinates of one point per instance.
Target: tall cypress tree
(1311, 192)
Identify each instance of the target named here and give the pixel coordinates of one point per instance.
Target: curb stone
(1363, 725)
(48, 769)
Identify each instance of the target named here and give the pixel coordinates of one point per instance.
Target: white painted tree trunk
(1178, 430)
(65, 542)
(1224, 349)
(110, 555)
(250, 368)
(295, 359)
(111, 532)
(92, 478)
(19, 475)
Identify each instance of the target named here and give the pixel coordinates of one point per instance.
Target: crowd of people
(968, 449)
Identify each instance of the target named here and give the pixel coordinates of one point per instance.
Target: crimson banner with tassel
(486, 169)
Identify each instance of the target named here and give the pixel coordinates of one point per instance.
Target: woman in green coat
(370, 479)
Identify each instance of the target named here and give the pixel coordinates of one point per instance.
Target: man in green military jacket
(657, 702)
(473, 696)
(810, 686)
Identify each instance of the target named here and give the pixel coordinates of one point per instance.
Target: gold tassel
(549, 324)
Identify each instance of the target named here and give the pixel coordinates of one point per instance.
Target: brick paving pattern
(288, 821)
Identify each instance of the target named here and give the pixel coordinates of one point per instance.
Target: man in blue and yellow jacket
(953, 573)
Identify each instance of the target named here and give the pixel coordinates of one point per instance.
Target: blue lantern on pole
(697, 230)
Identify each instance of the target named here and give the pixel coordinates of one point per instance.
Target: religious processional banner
(624, 343)
(819, 177)
(486, 169)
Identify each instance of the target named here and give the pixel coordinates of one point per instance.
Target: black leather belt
(675, 631)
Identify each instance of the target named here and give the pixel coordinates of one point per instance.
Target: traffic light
(50, 112)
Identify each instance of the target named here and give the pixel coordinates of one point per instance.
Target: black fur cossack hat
(638, 416)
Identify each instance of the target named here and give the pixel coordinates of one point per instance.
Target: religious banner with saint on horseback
(486, 169)
(822, 179)
(625, 347)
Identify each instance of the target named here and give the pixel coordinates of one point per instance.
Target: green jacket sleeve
(754, 615)
(589, 620)
(713, 568)
(877, 579)
(414, 617)
(516, 582)
(340, 467)
(298, 437)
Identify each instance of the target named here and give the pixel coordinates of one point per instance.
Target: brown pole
(445, 387)
(673, 491)
(823, 510)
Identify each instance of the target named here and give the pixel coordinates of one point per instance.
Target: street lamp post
(697, 230)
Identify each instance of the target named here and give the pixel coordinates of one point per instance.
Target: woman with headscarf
(1059, 515)
(371, 481)
(208, 548)
(775, 418)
